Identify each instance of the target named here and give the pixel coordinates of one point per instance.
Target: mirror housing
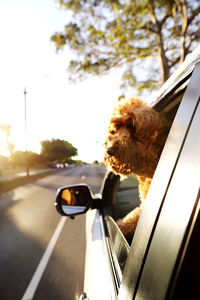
(73, 200)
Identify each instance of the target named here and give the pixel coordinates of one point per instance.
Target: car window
(127, 197)
(124, 200)
(119, 248)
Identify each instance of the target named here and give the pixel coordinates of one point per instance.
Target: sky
(77, 113)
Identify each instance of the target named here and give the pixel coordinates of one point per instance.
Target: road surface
(42, 254)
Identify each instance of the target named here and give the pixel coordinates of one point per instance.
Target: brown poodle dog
(136, 136)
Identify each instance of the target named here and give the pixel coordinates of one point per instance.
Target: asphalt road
(36, 240)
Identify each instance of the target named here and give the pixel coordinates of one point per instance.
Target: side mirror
(73, 200)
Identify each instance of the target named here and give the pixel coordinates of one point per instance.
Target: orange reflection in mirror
(67, 196)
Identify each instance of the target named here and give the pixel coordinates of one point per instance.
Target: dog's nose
(110, 151)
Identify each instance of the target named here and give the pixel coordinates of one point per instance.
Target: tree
(35, 159)
(147, 38)
(56, 150)
(19, 159)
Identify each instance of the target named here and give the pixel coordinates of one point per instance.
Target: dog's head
(136, 135)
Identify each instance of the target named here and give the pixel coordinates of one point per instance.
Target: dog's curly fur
(136, 136)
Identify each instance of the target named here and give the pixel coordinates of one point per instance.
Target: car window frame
(153, 204)
(177, 211)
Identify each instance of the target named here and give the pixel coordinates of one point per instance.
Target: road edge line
(30, 291)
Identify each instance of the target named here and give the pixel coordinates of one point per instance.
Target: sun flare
(4, 142)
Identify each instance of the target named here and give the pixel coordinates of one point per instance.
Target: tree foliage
(57, 150)
(148, 38)
(19, 159)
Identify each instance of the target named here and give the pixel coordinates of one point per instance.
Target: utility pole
(26, 142)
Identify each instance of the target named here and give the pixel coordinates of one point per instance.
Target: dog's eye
(118, 126)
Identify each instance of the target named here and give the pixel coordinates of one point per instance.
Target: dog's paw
(123, 227)
(128, 223)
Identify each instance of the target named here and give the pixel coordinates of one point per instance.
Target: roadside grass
(5, 171)
(9, 184)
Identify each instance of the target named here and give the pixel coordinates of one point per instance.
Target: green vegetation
(147, 39)
(57, 150)
(19, 159)
(52, 152)
(95, 162)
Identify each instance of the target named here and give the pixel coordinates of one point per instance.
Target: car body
(161, 261)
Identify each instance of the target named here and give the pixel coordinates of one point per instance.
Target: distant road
(28, 223)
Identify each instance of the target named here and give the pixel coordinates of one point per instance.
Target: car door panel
(177, 211)
(99, 280)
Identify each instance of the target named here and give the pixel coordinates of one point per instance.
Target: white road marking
(30, 291)
(83, 176)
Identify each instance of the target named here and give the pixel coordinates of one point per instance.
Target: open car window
(127, 197)
(119, 248)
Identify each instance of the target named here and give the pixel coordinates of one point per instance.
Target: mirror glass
(75, 199)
